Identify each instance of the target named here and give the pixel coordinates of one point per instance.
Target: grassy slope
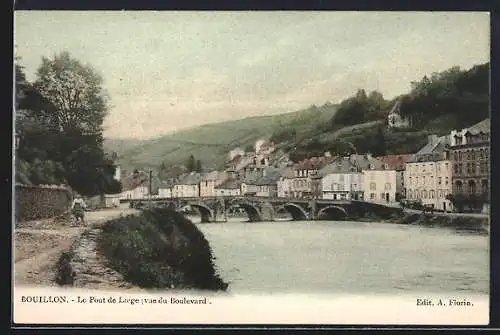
(210, 143)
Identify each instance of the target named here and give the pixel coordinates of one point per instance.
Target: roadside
(39, 244)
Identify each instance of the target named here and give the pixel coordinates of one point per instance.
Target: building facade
(341, 180)
(188, 186)
(470, 156)
(398, 162)
(428, 177)
(230, 187)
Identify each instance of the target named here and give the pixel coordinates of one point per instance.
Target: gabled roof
(363, 162)
(397, 161)
(396, 107)
(270, 177)
(481, 127)
(437, 146)
(133, 181)
(313, 163)
(340, 165)
(229, 184)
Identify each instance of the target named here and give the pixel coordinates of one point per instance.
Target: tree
(59, 122)
(191, 164)
(198, 166)
(379, 146)
(76, 92)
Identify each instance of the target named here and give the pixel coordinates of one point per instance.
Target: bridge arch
(206, 213)
(253, 212)
(296, 211)
(332, 213)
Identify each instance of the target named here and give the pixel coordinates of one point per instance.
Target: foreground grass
(160, 249)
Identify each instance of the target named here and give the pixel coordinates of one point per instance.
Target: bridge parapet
(265, 208)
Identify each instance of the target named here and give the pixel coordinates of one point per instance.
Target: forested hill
(438, 103)
(211, 143)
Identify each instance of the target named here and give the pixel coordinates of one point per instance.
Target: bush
(160, 249)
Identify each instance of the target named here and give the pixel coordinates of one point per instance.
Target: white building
(342, 180)
(267, 185)
(379, 181)
(188, 186)
(230, 187)
(135, 186)
(394, 118)
(428, 178)
(284, 184)
(139, 192)
(210, 181)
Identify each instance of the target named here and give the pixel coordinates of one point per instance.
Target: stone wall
(39, 202)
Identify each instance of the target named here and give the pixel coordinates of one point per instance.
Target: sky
(166, 71)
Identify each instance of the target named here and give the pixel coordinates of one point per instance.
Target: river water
(347, 257)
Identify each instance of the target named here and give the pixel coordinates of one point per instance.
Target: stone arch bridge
(265, 209)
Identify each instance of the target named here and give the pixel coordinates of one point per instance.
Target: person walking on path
(78, 208)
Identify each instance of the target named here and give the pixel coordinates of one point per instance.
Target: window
(484, 186)
(446, 166)
(424, 194)
(410, 194)
(341, 177)
(439, 180)
(341, 187)
(387, 186)
(438, 165)
(423, 180)
(372, 196)
(373, 186)
(472, 187)
(382, 196)
(432, 194)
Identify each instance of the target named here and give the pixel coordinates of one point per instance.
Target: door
(387, 197)
(444, 206)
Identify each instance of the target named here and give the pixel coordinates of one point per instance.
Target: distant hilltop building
(394, 118)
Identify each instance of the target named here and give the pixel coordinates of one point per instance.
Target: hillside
(211, 143)
(438, 103)
(120, 145)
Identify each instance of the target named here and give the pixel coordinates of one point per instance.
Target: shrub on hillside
(160, 249)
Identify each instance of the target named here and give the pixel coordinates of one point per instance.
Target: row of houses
(457, 163)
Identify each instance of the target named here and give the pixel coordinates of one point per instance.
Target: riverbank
(155, 249)
(470, 223)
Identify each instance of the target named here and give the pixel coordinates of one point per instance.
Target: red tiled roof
(396, 161)
(313, 163)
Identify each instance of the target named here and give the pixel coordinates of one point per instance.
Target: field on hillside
(211, 143)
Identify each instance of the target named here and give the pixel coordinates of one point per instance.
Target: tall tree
(198, 166)
(75, 90)
(191, 164)
(61, 125)
(379, 145)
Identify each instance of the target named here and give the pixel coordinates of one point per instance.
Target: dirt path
(38, 245)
